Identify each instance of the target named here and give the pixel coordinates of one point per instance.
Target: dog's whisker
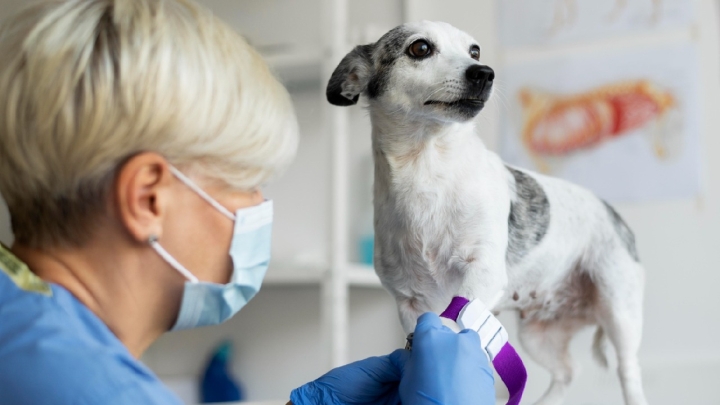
(499, 93)
(443, 86)
(395, 111)
(500, 87)
(501, 101)
(432, 94)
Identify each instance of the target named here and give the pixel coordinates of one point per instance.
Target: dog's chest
(429, 215)
(437, 190)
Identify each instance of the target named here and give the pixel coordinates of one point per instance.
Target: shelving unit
(357, 275)
(296, 64)
(337, 275)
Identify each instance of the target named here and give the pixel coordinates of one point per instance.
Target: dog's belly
(553, 278)
(571, 294)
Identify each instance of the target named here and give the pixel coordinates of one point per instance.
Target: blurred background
(657, 160)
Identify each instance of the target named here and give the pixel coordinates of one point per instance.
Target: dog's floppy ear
(351, 77)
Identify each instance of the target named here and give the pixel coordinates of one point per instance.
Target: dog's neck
(404, 139)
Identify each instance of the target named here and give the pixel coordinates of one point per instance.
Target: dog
(452, 219)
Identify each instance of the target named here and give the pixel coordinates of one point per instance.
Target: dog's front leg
(484, 266)
(485, 280)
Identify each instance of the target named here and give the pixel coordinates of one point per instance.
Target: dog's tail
(600, 343)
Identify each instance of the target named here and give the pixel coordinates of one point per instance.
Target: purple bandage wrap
(453, 310)
(507, 362)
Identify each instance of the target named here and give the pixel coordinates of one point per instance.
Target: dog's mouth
(464, 102)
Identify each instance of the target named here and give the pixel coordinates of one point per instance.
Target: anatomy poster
(625, 125)
(539, 22)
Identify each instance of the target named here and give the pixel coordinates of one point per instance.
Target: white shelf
(294, 65)
(293, 274)
(290, 274)
(361, 275)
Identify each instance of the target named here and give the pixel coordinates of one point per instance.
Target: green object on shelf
(367, 249)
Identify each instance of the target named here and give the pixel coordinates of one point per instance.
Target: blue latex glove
(370, 381)
(444, 367)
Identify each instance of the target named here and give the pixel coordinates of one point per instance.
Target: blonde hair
(86, 84)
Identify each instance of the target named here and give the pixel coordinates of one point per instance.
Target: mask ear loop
(153, 241)
(205, 196)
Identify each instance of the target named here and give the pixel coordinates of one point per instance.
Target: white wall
(5, 232)
(7, 7)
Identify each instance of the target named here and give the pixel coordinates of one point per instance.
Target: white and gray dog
(452, 219)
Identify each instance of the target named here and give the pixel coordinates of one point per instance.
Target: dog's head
(427, 69)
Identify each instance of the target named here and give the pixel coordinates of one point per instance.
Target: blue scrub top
(54, 350)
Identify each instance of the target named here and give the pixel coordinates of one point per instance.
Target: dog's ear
(351, 77)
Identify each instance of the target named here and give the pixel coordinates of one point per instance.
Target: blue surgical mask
(206, 303)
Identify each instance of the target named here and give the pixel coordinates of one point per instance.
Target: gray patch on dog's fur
(357, 62)
(371, 64)
(626, 235)
(388, 50)
(529, 217)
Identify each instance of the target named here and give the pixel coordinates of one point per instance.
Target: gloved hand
(444, 367)
(370, 381)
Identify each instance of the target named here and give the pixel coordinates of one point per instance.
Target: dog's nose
(479, 74)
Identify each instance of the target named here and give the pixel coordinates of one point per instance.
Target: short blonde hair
(86, 84)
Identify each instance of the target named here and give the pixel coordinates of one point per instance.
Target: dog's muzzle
(478, 87)
(465, 103)
(479, 84)
(480, 77)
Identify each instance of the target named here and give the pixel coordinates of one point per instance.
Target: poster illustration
(549, 22)
(625, 125)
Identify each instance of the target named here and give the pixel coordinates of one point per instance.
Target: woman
(135, 136)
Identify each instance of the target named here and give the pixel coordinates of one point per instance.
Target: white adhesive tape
(477, 316)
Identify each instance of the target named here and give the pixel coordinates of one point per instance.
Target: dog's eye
(420, 49)
(475, 52)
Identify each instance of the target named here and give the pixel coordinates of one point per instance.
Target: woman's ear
(141, 191)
